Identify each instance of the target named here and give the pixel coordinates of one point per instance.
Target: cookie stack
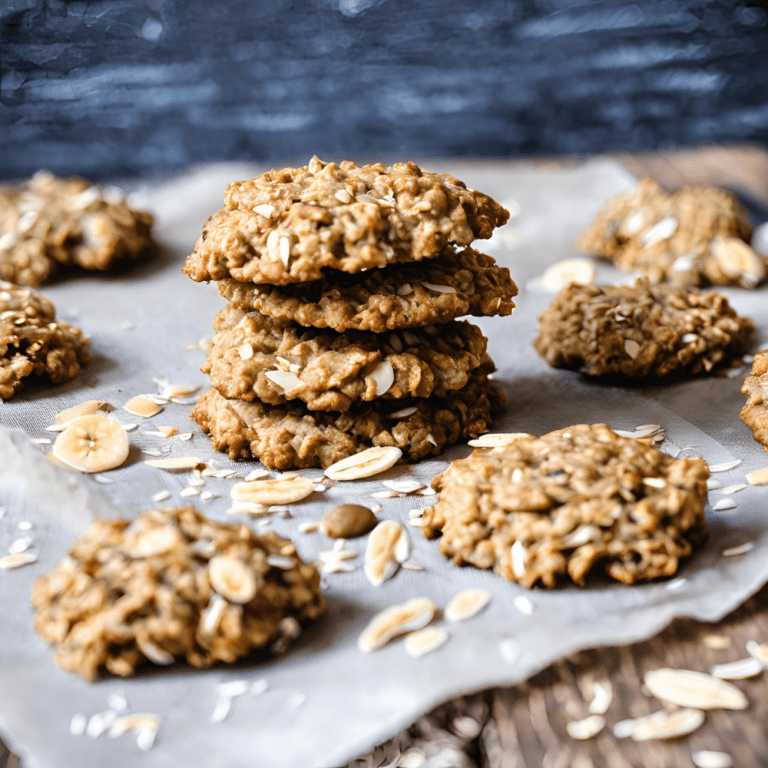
(344, 284)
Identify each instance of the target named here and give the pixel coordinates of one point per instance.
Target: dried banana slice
(92, 443)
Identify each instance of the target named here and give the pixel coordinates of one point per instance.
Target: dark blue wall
(105, 88)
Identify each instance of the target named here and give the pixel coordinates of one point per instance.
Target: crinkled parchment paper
(141, 321)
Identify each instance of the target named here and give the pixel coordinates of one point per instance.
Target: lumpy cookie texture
(253, 357)
(692, 237)
(33, 342)
(289, 226)
(172, 585)
(50, 221)
(755, 387)
(453, 284)
(576, 501)
(643, 330)
(291, 437)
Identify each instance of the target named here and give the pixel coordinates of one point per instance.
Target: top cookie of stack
(336, 246)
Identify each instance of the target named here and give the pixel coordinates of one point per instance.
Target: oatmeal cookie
(172, 585)
(253, 357)
(50, 221)
(575, 501)
(693, 237)
(755, 413)
(288, 226)
(642, 330)
(291, 437)
(33, 342)
(400, 296)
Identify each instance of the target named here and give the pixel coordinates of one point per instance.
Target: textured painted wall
(107, 88)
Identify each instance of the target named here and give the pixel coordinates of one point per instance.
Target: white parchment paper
(141, 321)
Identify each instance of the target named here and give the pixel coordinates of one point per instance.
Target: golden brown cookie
(33, 342)
(50, 221)
(253, 357)
(289, 226)
(172, 585)
(575, 501)
(695, 236)
(755, 412)
(454, 284)
(643, 330)
(291, 437)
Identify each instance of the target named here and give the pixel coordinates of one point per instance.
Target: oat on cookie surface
(288, 226)
(643, 330)
(49, 221)
(291, 437)
(575, 501)
(399, 296)
(755, 412)
(172, 585)
(33, 342)
(692, 237)
(253, 357)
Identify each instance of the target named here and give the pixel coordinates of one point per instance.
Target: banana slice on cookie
(92, 443)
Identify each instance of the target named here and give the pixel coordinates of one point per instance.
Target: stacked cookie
(344, 284)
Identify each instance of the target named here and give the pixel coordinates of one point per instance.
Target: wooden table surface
(527, 724)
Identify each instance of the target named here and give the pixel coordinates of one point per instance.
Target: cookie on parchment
(755, 413)
(172, 585)
(254, 356)
(696, 236)
(643, 330)
(33, 342)
(50, 221)
(291, 437)
(576, 501)
(289, 226)
(454, 284)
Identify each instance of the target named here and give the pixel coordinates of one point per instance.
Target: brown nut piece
(347, 521)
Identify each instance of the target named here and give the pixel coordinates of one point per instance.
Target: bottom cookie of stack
(293, 437)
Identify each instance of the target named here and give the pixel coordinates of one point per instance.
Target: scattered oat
(182, 462)
(496, 440)
(510, 650)
(524, 604)
(758, 477)
(233, 688)
(17, 560)
(78, 724)
(725, 466)
(716, 642)
(738, 670)
(705, 758)
(402, 413)
(385, 495)
(296, 700)
(731, 489)
(399, 619)
(221, 710)
(308, 527)
(741, 549)
(190, 490)
(724, 504)
(141, 406)
(388, 546)
(100, 723)
(165, 431)
(411, 567)
(713, 484)
(283, 490)
(425, 641)
(466, 604)
(687, 688)
(660, 725)
(365, 464)
(41, 440)
(602, 696)
(758, 651)
(256, 474)
(632, 348)
(259, 686)
(135, 722)
(21, 545)
(25, 525)
(586, 728)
